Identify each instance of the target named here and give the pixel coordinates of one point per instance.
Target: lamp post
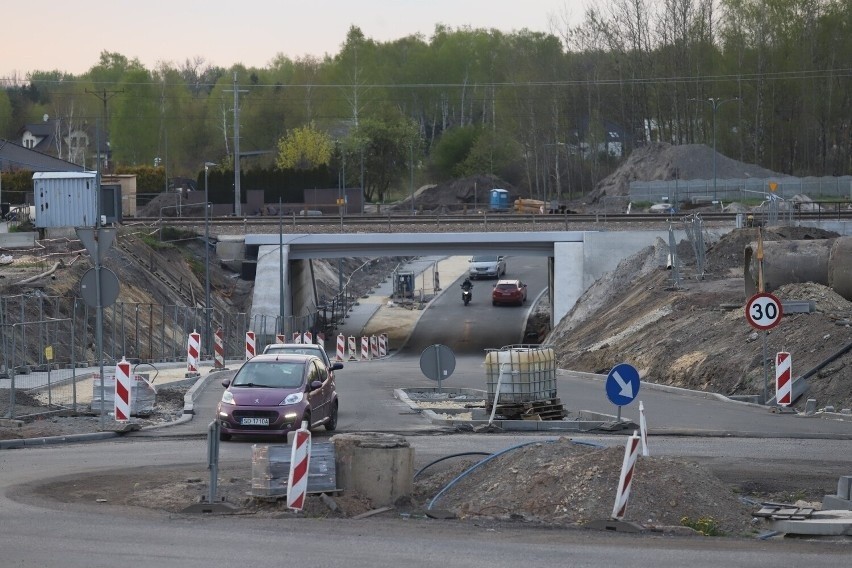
(715, 103)
(207, 166)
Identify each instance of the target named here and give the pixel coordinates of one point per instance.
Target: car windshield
(272, 374)
(484, 259)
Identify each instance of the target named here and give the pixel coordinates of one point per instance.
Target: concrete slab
(821, 523)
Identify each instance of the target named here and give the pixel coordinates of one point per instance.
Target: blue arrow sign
(622, 384)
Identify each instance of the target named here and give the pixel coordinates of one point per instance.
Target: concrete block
(810, 407)
(18, 240)
(376, 465)
(844, 487)
(834, 503)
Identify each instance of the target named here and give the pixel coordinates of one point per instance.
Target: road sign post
(763, 312)
(622, 385)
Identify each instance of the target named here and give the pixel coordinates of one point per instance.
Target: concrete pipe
(840, 267)
(375, 465)
(787, 262)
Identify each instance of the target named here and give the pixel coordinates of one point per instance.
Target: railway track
(456, 221)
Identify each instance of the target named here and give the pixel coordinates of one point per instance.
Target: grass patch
(705, 525)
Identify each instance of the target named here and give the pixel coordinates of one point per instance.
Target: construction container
(65, 199)
(529, 373)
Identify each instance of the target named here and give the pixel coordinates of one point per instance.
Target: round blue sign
(622, 384)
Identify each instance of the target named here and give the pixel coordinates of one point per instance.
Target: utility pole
(715, 103)
(237, 195)
(104, 96)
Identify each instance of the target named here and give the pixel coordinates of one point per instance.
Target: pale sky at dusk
(69, 36)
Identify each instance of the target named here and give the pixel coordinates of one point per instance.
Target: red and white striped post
(321, 339)
(193, 348)
(383, 345)
(340, 353)
(219, 349)
(365, 348)
(374, 347)
(250, 345)
(123, 386)
(300, 461)
(350, 342)
(643, 429)
(308, 337)
(631, 450)
(297, 337)
(280, 338)
(783, 379)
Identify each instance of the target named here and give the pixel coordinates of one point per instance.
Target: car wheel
(493, 303)
(331, 425)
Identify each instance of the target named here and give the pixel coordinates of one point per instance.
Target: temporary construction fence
(46, 342)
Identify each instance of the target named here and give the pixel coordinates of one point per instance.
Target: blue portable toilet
(499, 200)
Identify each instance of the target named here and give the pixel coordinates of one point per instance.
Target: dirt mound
(473, 192)
(564, 482)
(700, 337)
(662, 161)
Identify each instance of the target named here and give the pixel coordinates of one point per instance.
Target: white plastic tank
(529, 373)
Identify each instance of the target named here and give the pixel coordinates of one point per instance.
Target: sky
(70, 36)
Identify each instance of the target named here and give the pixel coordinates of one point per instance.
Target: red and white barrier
(123, 386)
(340, 354)
(300, 461)
(193, 349)
(308, 337)
(351, 346)
(280, 338)
(219, 349)
(631, 451)
(643, 429)
(383, 345)
(250, 345)
(365, 348)
(374, 347)
(321, 339)
(297, 337)
(783, 379)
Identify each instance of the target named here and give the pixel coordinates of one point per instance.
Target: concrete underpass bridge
(576, 259)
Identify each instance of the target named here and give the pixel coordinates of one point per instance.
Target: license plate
(255, 422)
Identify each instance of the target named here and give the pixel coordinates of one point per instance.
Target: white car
(487, 266)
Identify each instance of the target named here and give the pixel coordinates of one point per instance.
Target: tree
(5, 114)
(304, 148)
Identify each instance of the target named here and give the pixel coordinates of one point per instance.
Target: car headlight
(294, 398)
(228, 397)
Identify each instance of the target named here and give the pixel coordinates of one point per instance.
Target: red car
(509, 292)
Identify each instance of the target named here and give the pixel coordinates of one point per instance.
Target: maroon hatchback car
(271, 395)
(509, 292)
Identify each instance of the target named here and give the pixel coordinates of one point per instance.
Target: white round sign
(763, 311)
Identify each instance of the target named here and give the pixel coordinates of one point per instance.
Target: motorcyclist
(467, 284)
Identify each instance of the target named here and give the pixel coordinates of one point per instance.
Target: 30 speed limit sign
(763, 311)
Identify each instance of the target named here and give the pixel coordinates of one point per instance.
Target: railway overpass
(576, 258)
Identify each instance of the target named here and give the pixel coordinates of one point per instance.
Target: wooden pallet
(551, 409)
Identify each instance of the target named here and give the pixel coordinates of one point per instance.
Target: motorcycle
(467, 295)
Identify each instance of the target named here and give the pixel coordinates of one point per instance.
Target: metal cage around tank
(528, 374)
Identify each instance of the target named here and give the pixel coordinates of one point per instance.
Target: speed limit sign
(763, 311)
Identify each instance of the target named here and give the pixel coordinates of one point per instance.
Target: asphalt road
(94, 534)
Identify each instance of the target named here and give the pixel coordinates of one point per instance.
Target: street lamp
(715, 103)
(207, 166)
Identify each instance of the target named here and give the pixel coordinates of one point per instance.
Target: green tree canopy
(304, 148)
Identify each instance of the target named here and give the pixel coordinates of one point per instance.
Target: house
(72, 143)
(609, 138)
(14, 157)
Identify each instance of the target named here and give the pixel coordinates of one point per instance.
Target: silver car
(487, 266)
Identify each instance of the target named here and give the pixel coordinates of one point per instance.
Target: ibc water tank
(499, 200)
(529, 374)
